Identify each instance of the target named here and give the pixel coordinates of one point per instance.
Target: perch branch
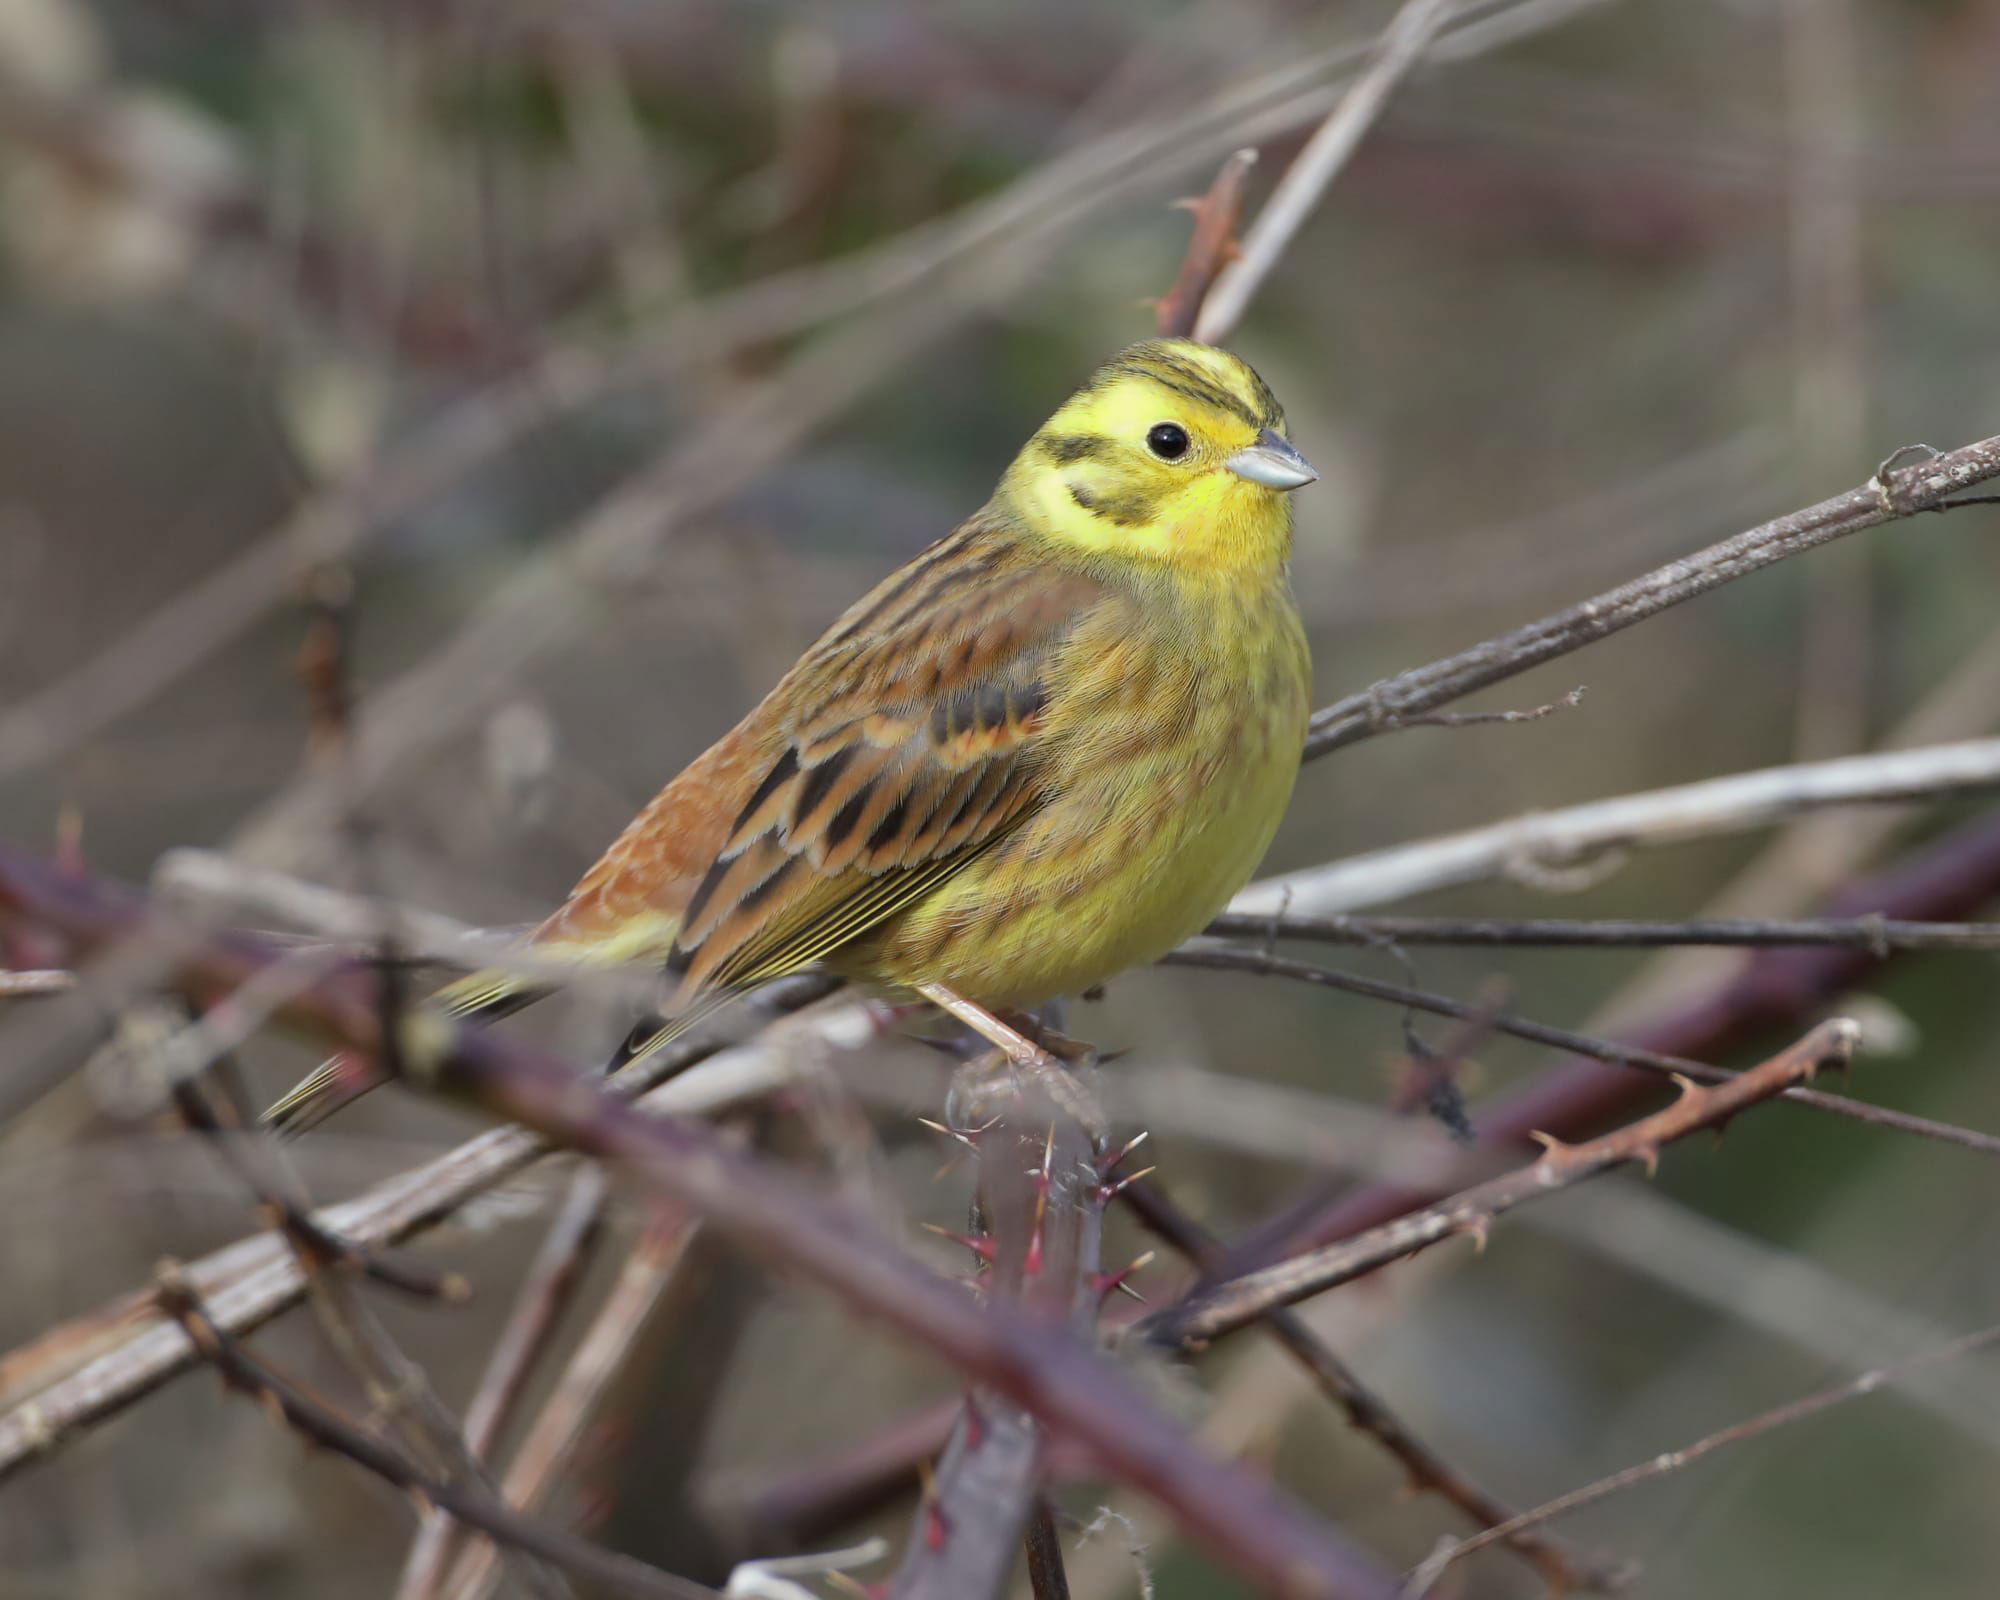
(1243, 1522)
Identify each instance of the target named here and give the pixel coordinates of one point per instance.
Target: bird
(1041, 753)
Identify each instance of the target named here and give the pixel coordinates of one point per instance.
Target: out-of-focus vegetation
(1580, 304)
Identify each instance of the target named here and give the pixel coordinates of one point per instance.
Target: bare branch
(1659, 1466)
(250, 1282)
(472, 1506)
(1581, 1044)
(1877, 935)
(1566, 1570)
(552, 1281)
(1240, 1301)
(33, 984)
(1257, 1532)
(1556, 841)
(1949, 877)
(1326, 152)
(1210, 247)
(1891, 495)
(550, 1450)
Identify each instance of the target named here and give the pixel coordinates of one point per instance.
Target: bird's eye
(1167, 440)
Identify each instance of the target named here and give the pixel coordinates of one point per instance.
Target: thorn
(1689, 1089)
(1650, 1159)
(958, 1135)
(1109, 1283)
(1111, 1191)
(934, 1523)
(1111, 1163)
(1554, 1151)
(1479, 1229)
(982, 1248)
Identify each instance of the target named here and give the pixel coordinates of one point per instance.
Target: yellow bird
(1045, 751)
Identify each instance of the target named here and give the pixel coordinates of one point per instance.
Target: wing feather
(894, 754)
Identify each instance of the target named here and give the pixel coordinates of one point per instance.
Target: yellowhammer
(1046, 750)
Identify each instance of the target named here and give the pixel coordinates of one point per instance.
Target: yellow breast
(1175, 730)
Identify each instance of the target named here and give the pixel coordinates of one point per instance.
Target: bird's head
(1172, 452)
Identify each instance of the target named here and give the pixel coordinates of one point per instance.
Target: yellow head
(1173, 452)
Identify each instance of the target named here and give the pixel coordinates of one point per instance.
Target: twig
(1478, 719)
(249, 1282)
(549, 1451)
(1565, 1569)
(1581, 1044)
(1670, 1461)
(1225, 1307)
(552, 1281)
(471, 1506)
(256, 1158)
(1048, 203)
(1890, 496)
(1257, 1532)
(32, 984)
(397, 1387)
(1877, 935)
(1950, 877)
(1046, 1578)
(1538, 844)
(809, 1501)
(1210, 248)
(1326, 152)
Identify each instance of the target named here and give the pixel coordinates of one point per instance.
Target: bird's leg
(1072, 1053)
(1029, 1058)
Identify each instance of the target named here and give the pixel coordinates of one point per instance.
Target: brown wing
(901, 745)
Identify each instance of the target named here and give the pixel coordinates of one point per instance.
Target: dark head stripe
(1159, 362)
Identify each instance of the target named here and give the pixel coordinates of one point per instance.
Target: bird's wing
(904, 743)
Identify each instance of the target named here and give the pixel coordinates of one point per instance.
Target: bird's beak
(1272, 462)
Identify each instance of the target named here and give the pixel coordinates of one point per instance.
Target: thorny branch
(1261, 1535)
(1565, 1569)
(1211, 247)
(1223, 1308)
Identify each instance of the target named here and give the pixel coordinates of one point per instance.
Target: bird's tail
(341, 1080)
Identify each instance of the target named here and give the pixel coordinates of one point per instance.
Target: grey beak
(1273, 463)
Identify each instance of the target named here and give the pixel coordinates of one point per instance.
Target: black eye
(1167, 440)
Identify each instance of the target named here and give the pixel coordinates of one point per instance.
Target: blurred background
(604, 352)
